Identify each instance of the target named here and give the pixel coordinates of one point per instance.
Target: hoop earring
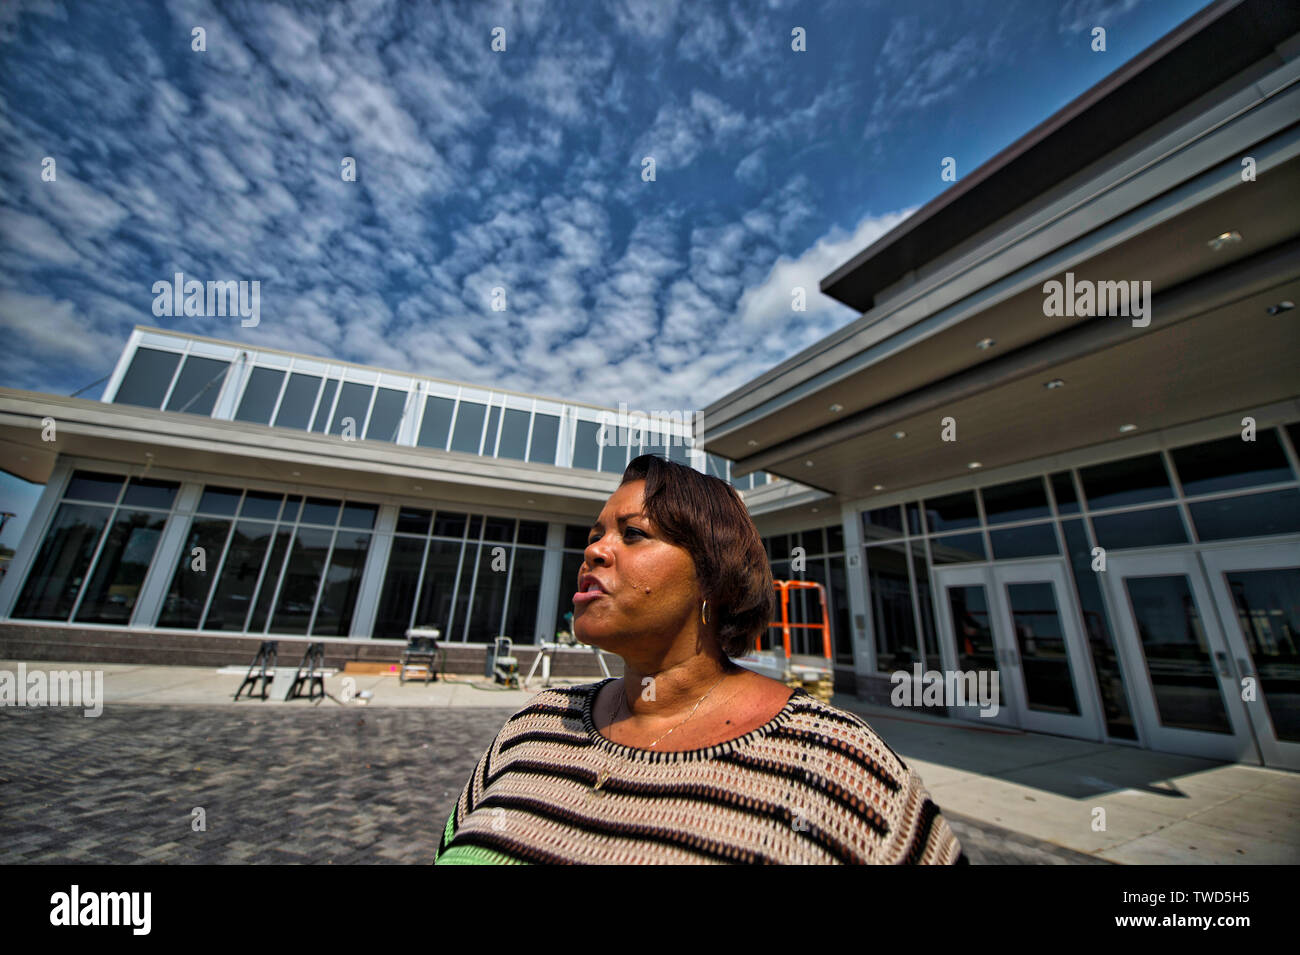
(704, 613)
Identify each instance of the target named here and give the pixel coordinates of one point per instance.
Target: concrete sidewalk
(991, 783)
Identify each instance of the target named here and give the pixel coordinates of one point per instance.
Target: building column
(855, 572)
(372, 575)
(158, 578)
(548, 600)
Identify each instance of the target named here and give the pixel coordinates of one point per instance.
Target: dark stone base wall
(20, 641)
(876, 689)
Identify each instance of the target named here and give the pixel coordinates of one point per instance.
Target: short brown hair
(706, 516)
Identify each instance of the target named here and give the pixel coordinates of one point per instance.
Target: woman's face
(647, 586)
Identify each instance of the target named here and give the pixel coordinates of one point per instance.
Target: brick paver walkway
(316, 784)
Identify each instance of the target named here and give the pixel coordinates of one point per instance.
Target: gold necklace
(604, 775)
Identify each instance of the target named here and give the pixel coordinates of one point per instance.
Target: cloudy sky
(519, 169)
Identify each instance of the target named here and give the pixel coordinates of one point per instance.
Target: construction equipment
(801, 660)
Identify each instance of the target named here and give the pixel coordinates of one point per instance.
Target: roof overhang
(243, 452)
(1147, 213)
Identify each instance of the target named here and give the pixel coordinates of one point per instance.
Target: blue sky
(519, 169)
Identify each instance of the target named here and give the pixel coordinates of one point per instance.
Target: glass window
(320, 510)
(914, 526)
(401, 580)
(499, 529)
(325, 406)
(448, 524)
(260, 395)
(147, 378)
(514, 435)
(716, 466)
(613, 458)
(889, 591)
(1015, 501)
(220, 500)
(146, 492)
(298, 401)
(386, 417)
(585, 448)
(957, 548)
(882, 523)
(92, 486)
(183, 606)
(489, 595)
(119, 571)
(1036, 540)
(546, 433)
(525, 589)
(243, 563)
(412, 520)
(270, 581)
(812, 541)
(338, 596)
(469, 427)
(1231, 463)
(292, 507)
(1063, 490)
(439, 586)
(263, 505)
(302, 578)
(437, 422)
(679, 453)
(1131, 481)
(575, 536)
(60, 567)
(532, 532)
(834, 538)
(490, 437)
(358, 515)
(952, 512)
(1251, 515)
(1149, 528)
(838, 597)
(354, 403)
(568, 587)
(198, 385)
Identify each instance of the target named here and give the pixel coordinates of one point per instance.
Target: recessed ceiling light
(837, 407)
(419, 488)
(531, 501)
(1125, 428)
(816, 509)
(752, 443)
(1222, 239)
(984, 344)
(1054, 384)
(877, 487)
(974, 464)
(1280, 307)
(296, 474)
(900, 435)
(808, 464)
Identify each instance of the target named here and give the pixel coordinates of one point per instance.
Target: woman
(688, 758)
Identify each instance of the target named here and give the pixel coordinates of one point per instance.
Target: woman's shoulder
(817, 722)
(558, 701)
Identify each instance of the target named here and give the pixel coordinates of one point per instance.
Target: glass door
(974, 644)
(1257, 592)
(1050, 669)
(1185, 684)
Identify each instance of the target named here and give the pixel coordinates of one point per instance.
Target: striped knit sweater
(814, 784)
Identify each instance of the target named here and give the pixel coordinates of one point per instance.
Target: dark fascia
(1214, 45)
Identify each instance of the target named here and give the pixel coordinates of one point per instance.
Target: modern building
(1097, 502)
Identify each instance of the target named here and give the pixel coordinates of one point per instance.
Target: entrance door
(1185, 685)
(974, 640)
(1257, 592)
(1053, 673)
